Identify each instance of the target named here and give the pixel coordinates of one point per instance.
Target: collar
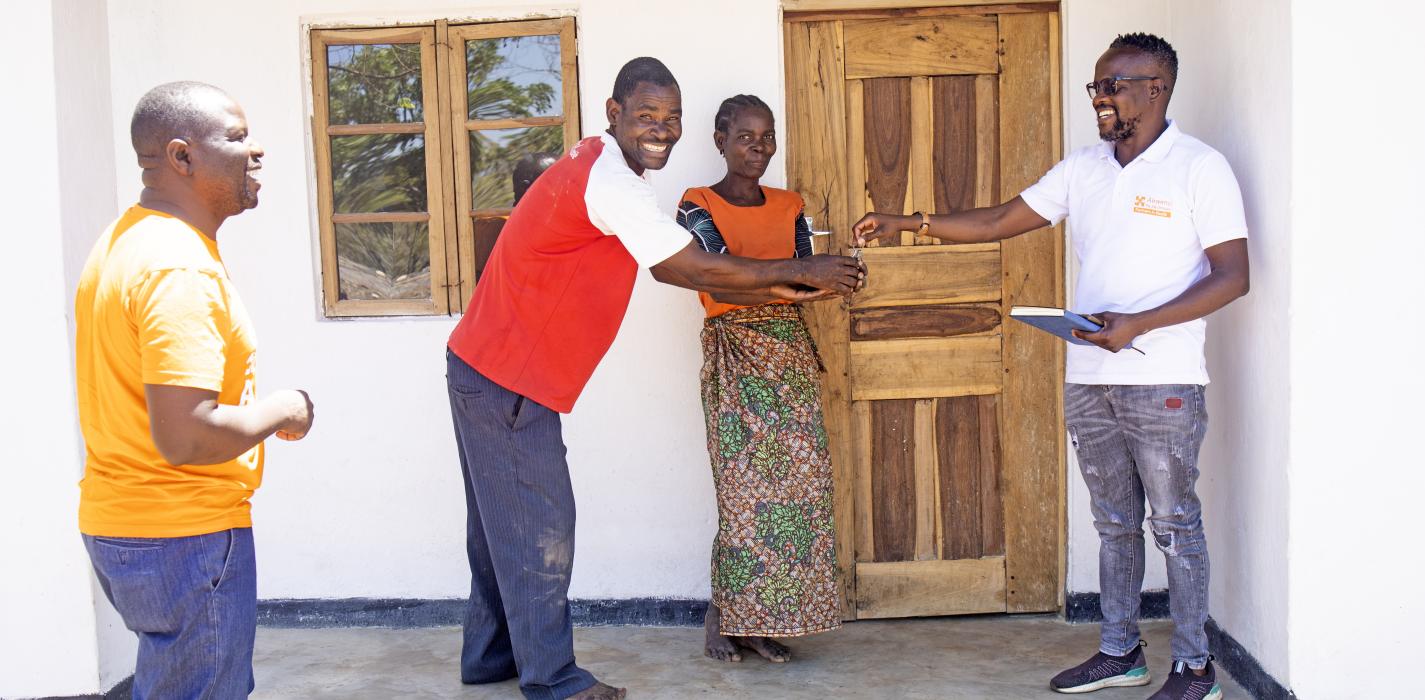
(1156, 152)
(611, 142)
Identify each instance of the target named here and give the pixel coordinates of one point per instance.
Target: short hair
(729, 107)
(528, 169)
(643, 69)
(1154, 46)
(176, 110)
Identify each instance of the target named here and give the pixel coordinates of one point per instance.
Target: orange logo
(1152, 206)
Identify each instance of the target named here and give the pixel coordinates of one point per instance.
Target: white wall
(371, 503)
(1356, 376)
(47, 618)
(1235, 94)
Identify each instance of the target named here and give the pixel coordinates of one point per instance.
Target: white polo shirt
(1139, 232)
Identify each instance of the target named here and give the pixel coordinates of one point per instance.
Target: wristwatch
(924, 223)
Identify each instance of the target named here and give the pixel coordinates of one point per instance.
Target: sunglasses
(1110, 86)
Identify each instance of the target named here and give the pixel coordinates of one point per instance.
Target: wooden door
(946, 423)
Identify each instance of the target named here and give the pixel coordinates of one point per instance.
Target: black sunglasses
(1109, 86)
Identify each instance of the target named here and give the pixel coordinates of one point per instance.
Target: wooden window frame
(448, 215)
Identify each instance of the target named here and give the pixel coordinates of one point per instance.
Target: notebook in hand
(1057, 321)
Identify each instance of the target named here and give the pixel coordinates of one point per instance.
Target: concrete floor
(979, 658)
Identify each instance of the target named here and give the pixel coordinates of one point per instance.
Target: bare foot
(717, 646)
(600, 691)
(766, 648)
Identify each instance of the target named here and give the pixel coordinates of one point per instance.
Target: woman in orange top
(773, 562)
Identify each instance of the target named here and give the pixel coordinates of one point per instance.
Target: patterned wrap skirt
(774, 557)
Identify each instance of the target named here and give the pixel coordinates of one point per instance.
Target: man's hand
(875, 225)
(1117, 333)
(300, 414)
(838, 274)
(798, 293)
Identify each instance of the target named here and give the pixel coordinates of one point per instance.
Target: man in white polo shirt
(1161, 240)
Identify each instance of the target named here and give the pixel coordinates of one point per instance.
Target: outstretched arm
(982, 225)
(798, 279)
(189, 426)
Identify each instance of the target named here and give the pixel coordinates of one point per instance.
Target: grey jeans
(1132, 442)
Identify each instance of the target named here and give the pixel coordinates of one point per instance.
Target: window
(417, 131)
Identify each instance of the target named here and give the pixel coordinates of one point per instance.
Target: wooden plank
(816, 168)
(893, 490)
(399, 217)
(956, 142)
(861, 454)
(457, 110)
(364, 129)
(569, 74)
(435, 146)
(858, 195)
(961, 45)
(886, 124)
(494, 30)
(925, 367)
(349, 308)
(933, 321)
(444, 55)
(1032, 405)
(904, 10)
(927, 536)
(930, 275)
(987, 141)
(922, 159)
(322, 154)
(791, 6)
(991, 508)
(473, 124)
(957, 435)
(906, 589)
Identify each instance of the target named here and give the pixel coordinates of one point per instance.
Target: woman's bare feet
(600, 691)
(770, 650)
(717, 646)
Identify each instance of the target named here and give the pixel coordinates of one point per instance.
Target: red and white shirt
(557, 285)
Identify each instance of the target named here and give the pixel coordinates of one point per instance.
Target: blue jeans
(519, 538)
(1132, 442)
(193, 603)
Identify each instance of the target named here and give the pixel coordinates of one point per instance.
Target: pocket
(216, 580)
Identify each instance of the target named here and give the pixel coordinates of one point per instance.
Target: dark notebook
(1060, 322)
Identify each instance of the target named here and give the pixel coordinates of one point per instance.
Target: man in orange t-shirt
(173, 430)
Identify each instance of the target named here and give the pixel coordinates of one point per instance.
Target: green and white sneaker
(1185, 685)
(1104, 671)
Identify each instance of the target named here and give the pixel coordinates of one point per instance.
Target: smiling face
(749, 143)
(1119, 115)
(224, 159)
(647, 124)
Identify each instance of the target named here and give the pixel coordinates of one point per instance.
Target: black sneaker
(1185, 685)
(1104, 671)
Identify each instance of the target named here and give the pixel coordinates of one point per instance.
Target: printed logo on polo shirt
(1152, 206)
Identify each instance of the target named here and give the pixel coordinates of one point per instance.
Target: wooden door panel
(886, 115)
(893, 481)
(925, 367)
(923, 321)
(967, 44)
(945, 274)
(905, 589)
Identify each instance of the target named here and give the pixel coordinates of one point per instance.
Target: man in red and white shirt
(546, 310)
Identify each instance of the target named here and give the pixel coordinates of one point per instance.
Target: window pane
(374, 83)
(493, 154)
(514, 77)
(487, 231)
(378, 173)
(383, 261)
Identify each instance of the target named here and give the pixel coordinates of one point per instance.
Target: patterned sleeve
(802, 235)
(699, 222)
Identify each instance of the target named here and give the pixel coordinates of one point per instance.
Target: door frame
(828, 197)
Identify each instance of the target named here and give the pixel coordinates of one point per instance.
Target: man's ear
(612, 109)
(178, 156)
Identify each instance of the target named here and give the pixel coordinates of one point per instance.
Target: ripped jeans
(1136, 441)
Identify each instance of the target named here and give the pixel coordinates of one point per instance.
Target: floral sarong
(774, 560)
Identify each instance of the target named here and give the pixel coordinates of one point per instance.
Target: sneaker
(1183, 684)
(1104, 671)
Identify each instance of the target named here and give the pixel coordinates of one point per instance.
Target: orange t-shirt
(765, 232)
(155, 306)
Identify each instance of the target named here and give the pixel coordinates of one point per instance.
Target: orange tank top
(765, 232)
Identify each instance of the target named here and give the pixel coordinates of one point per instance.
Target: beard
(1120, 130)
